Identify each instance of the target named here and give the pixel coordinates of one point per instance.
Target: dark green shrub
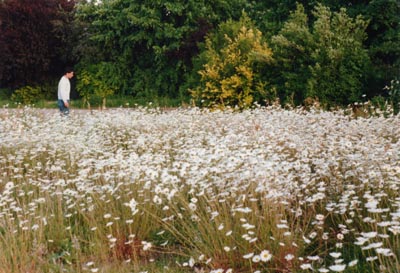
(5, 94)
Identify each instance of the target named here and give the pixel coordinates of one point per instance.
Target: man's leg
(60, 104)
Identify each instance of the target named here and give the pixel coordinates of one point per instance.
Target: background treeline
(210, 53)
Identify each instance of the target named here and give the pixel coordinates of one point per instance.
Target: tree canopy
(332, 51)
(35, 40)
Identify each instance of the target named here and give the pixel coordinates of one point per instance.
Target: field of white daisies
(189, 190)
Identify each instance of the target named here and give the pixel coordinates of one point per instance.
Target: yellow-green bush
(27, 95)
(97, 81)
(229, 76)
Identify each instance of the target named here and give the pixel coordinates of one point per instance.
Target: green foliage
(229, 75)
(326, 61)
(154, 45)
(292, 50)
(5, 93)
(339, 57)
(35, 38)
(270, 15)
(383, 42)
(98, 81)
(27, 95)
(154, 41)
(394, 94)
(49, 90)
(85, 86)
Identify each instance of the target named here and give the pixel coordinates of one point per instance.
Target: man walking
(64, 90)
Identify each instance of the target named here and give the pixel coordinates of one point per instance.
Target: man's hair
(68, 70)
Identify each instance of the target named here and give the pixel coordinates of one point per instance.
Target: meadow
(190, 190)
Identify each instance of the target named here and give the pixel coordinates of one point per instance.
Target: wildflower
(312, 235)
(248, 256)
(372, 245)
(340, 236)
(306, 266)
(371, 258)
(353, 263)
(384, 251)
(146, 245)
(313, 258)
(192, 206)
(307, 241)
(281, 226)
(335, 254)
(9, 186)
(369, 235)
(338, 267)
(157, 200)
(248, 226)
(394, 229)
(265, 256)
(289, 257)
(132, 204)
(191, 262)
(253, 240)
(106, 216)
(256, 259)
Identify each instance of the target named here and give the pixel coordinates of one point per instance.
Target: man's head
(69, 72)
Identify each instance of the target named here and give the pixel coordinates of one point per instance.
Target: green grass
(112, 102)
(130, 101)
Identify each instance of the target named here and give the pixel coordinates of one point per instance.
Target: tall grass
(264, 190)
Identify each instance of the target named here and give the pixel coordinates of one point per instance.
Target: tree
(327, 61)
(270, 15)
(98, 80)
(383, 39)
(292, 49)
(229, 76)
(153, 40)
(34, 40)
(340, 61)
(383, 43)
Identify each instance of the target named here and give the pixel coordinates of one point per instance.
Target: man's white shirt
(64, 88)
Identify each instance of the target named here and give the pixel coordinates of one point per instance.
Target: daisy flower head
(256, 259)
(248, 256)
(338, 267)
(265, 256)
